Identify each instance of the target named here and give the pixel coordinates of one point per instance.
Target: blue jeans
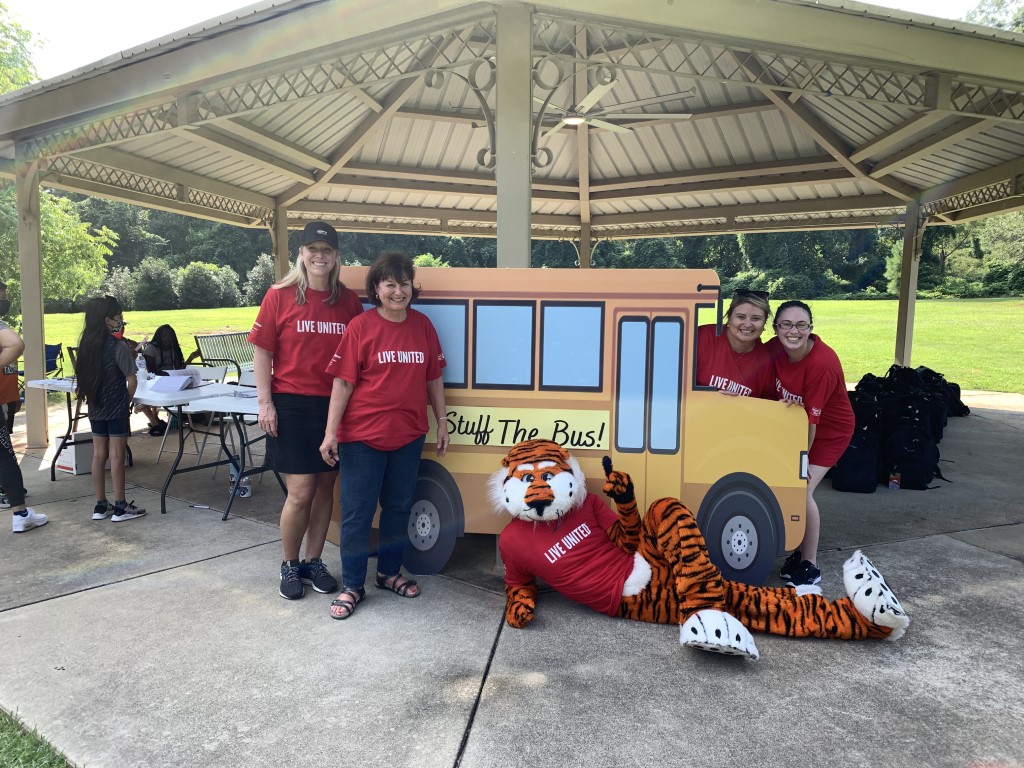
(369, 475)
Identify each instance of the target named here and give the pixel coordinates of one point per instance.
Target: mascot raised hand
(657, 569)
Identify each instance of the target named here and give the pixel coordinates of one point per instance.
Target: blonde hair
(743, 296)
(297, 276)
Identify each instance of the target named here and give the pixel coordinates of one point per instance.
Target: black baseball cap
(319, 231)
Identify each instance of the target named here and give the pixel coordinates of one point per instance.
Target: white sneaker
(20, 524)
(126, 510)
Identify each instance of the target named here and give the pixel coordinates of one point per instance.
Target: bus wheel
(738, 520)
(433, 527)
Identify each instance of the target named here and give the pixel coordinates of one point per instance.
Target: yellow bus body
(744, 452)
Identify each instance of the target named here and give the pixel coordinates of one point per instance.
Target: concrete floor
(163, 642)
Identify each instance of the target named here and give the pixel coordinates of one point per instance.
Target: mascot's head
(540, 481)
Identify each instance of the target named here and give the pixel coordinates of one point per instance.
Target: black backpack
(911, 456)
(857, 470)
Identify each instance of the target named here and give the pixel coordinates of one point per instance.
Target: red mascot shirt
(573, 555)
(389, 365)
(302, 339)
(718, 366)
(816, 382)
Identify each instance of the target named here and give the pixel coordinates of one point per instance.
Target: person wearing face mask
(106, 380)
(300, 322)
(162, 353)
(736, 362)
(808, 373)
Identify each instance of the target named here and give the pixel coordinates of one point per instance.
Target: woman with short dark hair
(386, 368)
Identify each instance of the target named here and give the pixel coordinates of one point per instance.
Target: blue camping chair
(54, 354)
(53, 365)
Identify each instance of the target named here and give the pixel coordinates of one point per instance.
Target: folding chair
(54, 354)
(54, 364)
(215, 373)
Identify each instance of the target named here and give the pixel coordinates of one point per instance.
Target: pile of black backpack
(900, 419)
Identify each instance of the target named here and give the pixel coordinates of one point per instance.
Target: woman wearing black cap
(299, 325)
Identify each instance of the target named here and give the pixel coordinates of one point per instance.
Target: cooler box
(77, 459)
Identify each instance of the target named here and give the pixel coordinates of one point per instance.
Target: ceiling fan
(584, 112)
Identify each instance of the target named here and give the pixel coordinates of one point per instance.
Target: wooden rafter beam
(223, 142)
(117, 158)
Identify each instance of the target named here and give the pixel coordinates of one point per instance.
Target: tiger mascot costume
(656, 569)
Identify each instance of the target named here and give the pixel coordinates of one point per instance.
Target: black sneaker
(102, 510)
(291, 584)
(789, 567)
(314, 572)
(125, 510)
(806, 574)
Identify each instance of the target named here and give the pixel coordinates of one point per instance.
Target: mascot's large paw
(872, 597)
(711, 630)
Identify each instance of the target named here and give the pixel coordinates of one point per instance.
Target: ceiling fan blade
(554, 129)
(652, 100)
(647, 116)
(552, 107)
(598, 123)
(596, 94)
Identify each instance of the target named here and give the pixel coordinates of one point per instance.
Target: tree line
(159, 260)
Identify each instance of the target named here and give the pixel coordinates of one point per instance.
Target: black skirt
(301, 420)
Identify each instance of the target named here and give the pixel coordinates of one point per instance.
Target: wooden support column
(514, 134)
(913, 234)
(279, 242)
(585, 247)
(30, 254)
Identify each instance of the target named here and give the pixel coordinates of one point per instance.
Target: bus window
(630, 396)
(666, 385)
(449, 319)
(571, 340)
(503, 347)
(705, 314)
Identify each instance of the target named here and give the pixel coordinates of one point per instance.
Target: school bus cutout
(603, 362)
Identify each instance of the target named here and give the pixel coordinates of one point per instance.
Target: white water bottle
(140, 363)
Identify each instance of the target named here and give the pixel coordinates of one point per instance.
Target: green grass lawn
(67, 329)
(21, 749)
(974, 342)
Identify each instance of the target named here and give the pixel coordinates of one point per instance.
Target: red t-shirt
(748, 374)
(816, 382)
(574, 556)
(302, 338)
(389, 365)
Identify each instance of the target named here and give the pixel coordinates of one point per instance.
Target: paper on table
(169, 383)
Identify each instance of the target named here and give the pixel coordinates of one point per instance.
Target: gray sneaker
(102, 510)
(315, 573)
(291, 584)
(126, 510)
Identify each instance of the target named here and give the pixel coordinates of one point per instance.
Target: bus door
(648, 402)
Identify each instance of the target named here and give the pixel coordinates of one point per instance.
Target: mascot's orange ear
(533, 451)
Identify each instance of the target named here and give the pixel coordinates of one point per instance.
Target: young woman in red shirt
(736, 362)
(809, 373)
(300, 322)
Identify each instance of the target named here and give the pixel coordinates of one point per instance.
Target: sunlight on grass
(974, 342)
(21, 749)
